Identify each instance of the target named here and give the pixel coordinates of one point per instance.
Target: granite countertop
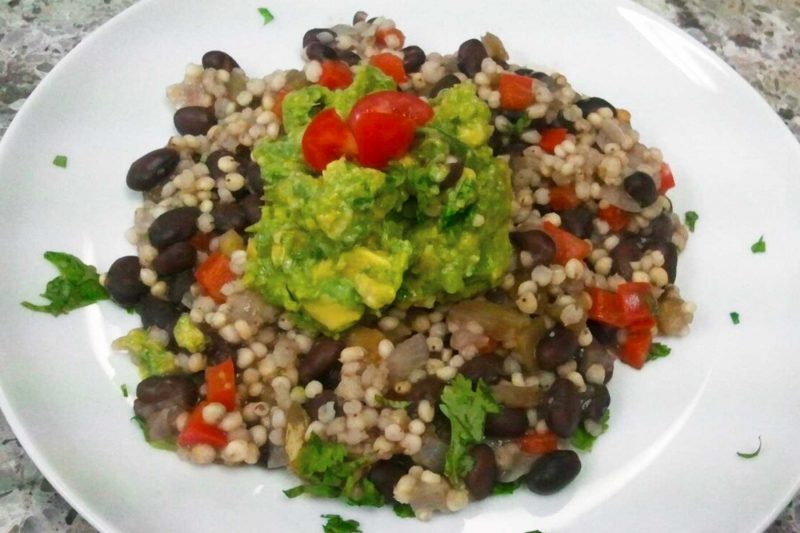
(759, 38)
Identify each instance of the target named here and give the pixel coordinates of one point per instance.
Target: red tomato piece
(391, 65)
(197, 431)
(326, 139)
(516, 92)
(635, 302)
(381, 137)
(552, 137)
(383, 36)
(395, 103)
(563, 198)
(535, 443)
(277, 107)
(617, 218)
(636, 347)
(200, 241)
(213, 273)
(335, 74)
(568, 246)
(221, 384)
(606, 308)
(667, 179)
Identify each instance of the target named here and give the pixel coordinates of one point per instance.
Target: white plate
(668, 462)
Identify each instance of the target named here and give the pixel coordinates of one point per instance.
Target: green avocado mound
(352, 240)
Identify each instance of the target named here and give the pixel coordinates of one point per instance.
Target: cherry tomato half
(391, 65)
(335, 75)
(381, 137)
(394, 103)
(326, 139)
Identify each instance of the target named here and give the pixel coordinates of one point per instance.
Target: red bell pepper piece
(635, 349)
(213, 273)
(667, 179)
(607, 308)
(391, 65)
(616, 218)
(552, 137)
(196, 431)
(381, 36)
(516, 92)
(221, 384)
(568, 246)
(635, 302)
(563, 198)
(335, 74)
(536, 443)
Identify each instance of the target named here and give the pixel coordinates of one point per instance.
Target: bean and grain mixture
(404, 276)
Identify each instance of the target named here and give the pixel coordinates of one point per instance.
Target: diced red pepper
(196, 431)
(552, 137)
(391, 65)
(667, 179)
(277, 106)
(516, 92)
(635, 302)
(563, 198)
(616, 218)
(326, 139)
(629, 307)
(607, 308)
(335, 74)
(568, 246)
(213, 273)
(382, 35)
(489, 347)
(221, 384)
(635, 349)
(536, 443)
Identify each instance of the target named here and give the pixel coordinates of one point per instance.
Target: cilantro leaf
(501, 489)
(734, 317)
(760, 246)
(751, 455)
(583, 440)
(691, 218)
(77, 285)
(60, 161)
(124, 389)
(392, 404)
(466, 409)
(403, 510)
(337, 524)
(266, 15)
(658, 350)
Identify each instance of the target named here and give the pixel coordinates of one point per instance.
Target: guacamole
(352, 240)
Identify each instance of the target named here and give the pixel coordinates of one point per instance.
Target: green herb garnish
(691, 219)
(392, 404)
(77, 285)
(751, 455)
(266, 15)
(337, 524)
(60, 161)
(658, 350)
(734, 317)
(124, 389)
(403, 510)
(159, 444)
(466, 409)
(583, 440)
(759, 247)
(501, 489)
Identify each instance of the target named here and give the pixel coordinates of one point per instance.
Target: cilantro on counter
(501, 489)
(734, 317)
(77, 285)
(658, 350)
(760, 246)
(691, 218)
(403, 510)
(60, 161)
(266, 15)
(751, 455)
(124, 389)
(583, 440)
(466, 408)
(337, 524)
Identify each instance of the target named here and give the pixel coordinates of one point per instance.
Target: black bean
(349, 57)
(228, 216)
(175, 225)
(219, 60)
(541, 76)
(628, 250)
(444, 83)
(553, 471)
(180, 391)
(592, 104)
(179, 285)
(456, 170)
(413, 58)
(509, 423)
(242, 155)
(385, 474)
(251, 205)
(560, 346)
(123, 282)
(218, 349)
(599, 354)
(360, 16)
(316, 51)
(312, 35)
(578, 221)
(641, 187)
(596, 401)
(537, 243)
(331, 378)
(175, 258)
(194, 120)
(471, 54)
(263, 455)
(483, 474)
(661, 227)
(561, 122)
(255, 182)
(151, 169)
(603, 333)
(670, 253)
(319, 359)
(312, 406)
(562, 406)
(156, 312)
(489, 368)
(212, 162)
(429, 388)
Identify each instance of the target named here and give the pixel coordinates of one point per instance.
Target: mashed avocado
(332, 247)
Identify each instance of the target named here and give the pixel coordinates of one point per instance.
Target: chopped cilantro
(159, 444)
(466, 409)
(658, 350)
(501, 489)
(520, 125)
(60, 161)
(759, 247)
(751, 455)
(77, 285)
(392, 404)
(691, 218)
(734, 317)
(266, 15)
(124, 389)
(403, 510)
(583, 440)
(330, 473)
(337, 524)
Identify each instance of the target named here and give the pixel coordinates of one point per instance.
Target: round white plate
(668, 462)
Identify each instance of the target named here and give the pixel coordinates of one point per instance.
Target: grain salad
(404, 276)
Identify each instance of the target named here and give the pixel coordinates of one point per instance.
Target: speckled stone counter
(759, 38)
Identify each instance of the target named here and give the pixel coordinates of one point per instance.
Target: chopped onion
(617, 196)
(278, 457)
(432, 453)
(515, 396)
(251, 307)
(407, 356)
